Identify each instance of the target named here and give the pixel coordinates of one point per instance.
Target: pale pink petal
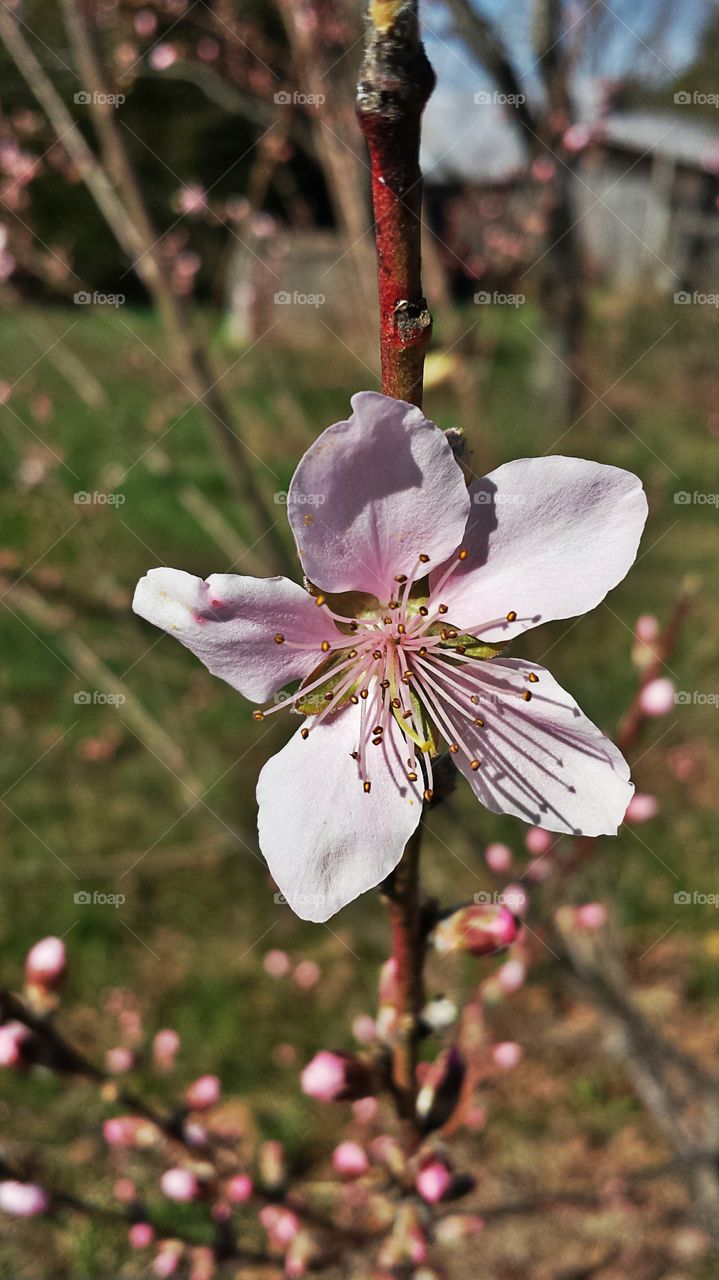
(373, 494)
(543, 760)
(325, 840)
(547, 538)
(230, 624)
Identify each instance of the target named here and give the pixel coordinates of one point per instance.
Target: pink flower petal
(547, 538)
(325, 840)
(230, 624)
(543, 760)
(374, 493)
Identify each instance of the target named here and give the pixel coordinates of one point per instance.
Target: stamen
(279, 638)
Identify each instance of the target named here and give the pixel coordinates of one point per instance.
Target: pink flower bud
(141, 1235)
(23, 1199)
(512, 976)
(481, 929)
(539, 871)
(280, 1224)
(145, 22)
(507, 1054)
(333, 1077)
(498, 858)
(350, 1160)
(434, 1181)
(13, 1035)
(646, 628)
(364, 1029)
(203, 1093)
(543, 169)
(365, 1110)
(125, 1191)
(458, 1227)
(538, 841)
(130, 1131)
(168, 1259)
(164, 1049)
(118, 1060)
(515, 897)
(657, 697)
(239, 1188)
(46, 962)
(307, 975)
(641, 808)
(162, 57)
(591, 915)
(180, 1185)
(276, 964)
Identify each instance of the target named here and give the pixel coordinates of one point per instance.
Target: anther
(394, 604)
(454, 747)
(366, 787)
(320, 600)
(479, 722)
(304, 733)
(354, 625)
(407, 715)
(424, 610)
(279, 638)
(377, 653)
(474, 697)
(412, 777)
(423, 651)
(401, 578)
(378, 729)
(258, 715)
(377, 742)
(423, 559)
(401, 628)
(512, 616)
(325, 646)
(428, 794)
(352, 653)
(364, 693)
(443, 608)
(354, 699)
(462, 555)
(474, 764)
(329, 697)
(533, 677)
(527, 695)
(384, 684)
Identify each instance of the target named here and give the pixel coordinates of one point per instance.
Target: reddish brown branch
(396, 81)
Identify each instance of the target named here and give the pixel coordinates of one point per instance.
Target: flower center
(404, 662)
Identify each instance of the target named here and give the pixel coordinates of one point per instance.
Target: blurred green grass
(88, 805)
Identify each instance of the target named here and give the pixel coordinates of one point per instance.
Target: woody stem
(396, 81)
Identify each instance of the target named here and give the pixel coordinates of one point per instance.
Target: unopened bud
(441, 1090)
(203, 1093)
(23, 1199)
(349, 1159)
(335, 1077)
(180, 1185)
(641, 808)
(457, 1227)
(482, 929)
(15, 1041)
(46, 963)
(434, 1181)
(657, 697)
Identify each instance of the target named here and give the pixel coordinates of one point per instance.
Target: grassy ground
(153, 799)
